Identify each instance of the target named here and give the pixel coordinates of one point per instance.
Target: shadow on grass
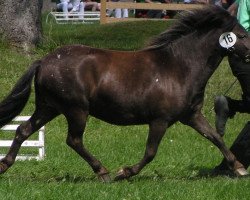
(204, 172)
(68, 178)
(72, 179)
(200, 172)
(194, 173)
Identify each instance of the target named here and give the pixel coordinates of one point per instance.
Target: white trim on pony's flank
(39, 143)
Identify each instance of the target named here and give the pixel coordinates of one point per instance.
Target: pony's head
(203, 22)
(236, 42)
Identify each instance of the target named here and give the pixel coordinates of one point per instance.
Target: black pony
(158, 85)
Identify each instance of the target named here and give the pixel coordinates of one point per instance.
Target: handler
(226, 107)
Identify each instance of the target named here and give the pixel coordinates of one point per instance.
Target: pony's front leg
(200, 124)
(156, 131)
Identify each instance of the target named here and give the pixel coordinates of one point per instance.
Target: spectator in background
(118, 12)
(187, 1)
(198, 1)
(216, 2)
(71, 6)
(227, 3)
(222, 3)
(121, 13)
(141, 13)
(64, 5)
(155, 13)
(152, 13)
(92, 5)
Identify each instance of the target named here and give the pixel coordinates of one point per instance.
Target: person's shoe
(222, 113)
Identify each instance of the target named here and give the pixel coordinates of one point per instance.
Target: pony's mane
(200, 21)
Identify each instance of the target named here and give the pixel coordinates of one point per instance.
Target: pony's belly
(115, 116)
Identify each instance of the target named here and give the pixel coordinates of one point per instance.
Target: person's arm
(233, 9)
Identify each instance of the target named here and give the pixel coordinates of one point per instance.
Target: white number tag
(227, 39)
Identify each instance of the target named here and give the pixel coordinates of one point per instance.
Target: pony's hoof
(121, 175)
(241, 172)
(105, 178)
(3, 167)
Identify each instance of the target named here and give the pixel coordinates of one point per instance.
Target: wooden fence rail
(147, 6)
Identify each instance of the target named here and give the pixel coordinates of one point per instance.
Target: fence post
(103, 19)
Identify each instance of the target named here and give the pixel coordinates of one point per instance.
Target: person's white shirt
(72, 5)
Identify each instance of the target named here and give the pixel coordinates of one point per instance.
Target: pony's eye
(242, 36)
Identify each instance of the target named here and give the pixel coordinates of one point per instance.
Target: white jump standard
(28, 143)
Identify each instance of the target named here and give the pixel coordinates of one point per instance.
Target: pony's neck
(200, 53)
(200, 56)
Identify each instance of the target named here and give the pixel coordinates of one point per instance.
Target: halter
(246, 58)
(228, 40)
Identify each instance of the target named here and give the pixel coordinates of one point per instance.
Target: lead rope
(225, 93)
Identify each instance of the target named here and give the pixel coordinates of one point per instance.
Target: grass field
(182, 167)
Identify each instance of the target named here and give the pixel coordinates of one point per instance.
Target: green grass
(184, 161)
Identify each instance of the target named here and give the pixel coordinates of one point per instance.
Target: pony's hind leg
(26, 129)
(200, 124)
(157, 130)
(76, 119)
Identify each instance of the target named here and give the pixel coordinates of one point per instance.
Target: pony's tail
(14, 103)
